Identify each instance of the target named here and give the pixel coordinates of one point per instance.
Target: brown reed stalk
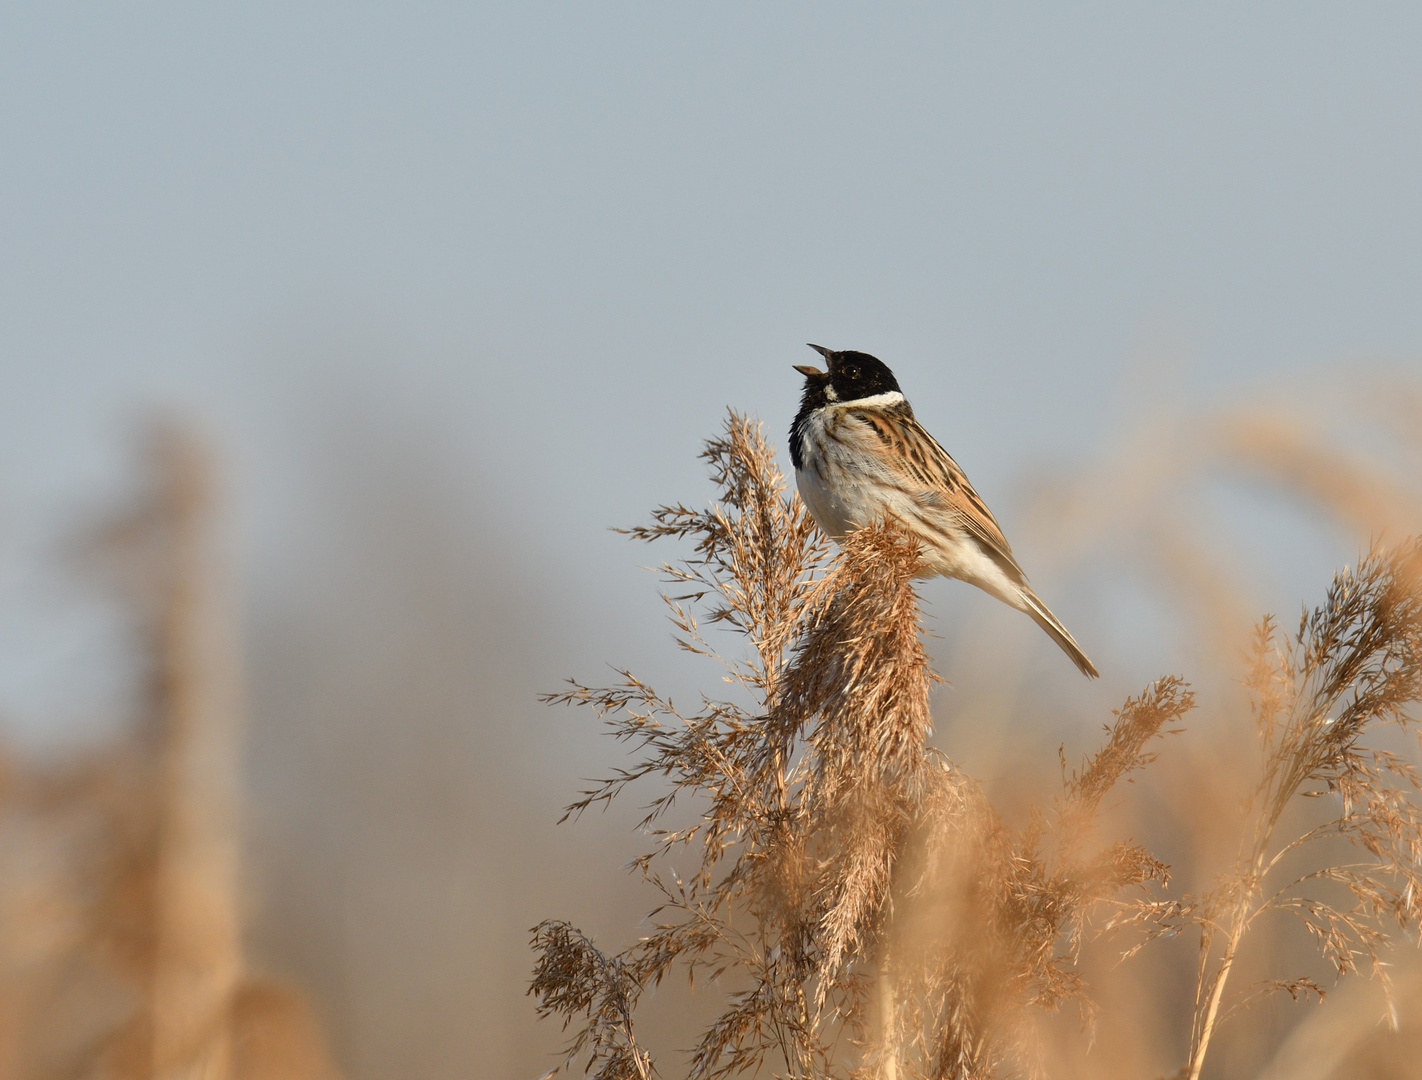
(153, 875)
(861, 907)
(1320, 700)
(169, 914)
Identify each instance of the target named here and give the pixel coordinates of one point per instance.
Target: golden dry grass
(860, 908)
(848, 899)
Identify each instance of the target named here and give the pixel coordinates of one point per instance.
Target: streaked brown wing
(916, 456)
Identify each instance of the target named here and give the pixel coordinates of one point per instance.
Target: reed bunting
(860, 456)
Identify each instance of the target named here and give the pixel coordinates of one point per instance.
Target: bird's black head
(852, 376)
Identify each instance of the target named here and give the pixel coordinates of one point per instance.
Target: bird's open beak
(808, 369)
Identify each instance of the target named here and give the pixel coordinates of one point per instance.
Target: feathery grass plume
(866, 910)
(577, 977)
(1320, 700)
(993, 919)
(120, 937)
(167, 911)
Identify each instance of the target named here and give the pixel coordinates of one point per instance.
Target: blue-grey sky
(554, 241)
(535, 250)
(568, 234)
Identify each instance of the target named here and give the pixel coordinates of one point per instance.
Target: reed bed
(856, 905)
(844, 898)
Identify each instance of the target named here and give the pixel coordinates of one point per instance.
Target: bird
(860, 456)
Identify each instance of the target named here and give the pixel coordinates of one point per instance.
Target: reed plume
(860, 906)
(120, 934)
(1321, 699)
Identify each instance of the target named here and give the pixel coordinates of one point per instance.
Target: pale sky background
(531, 252)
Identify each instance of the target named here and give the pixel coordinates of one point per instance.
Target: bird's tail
(1044, 618)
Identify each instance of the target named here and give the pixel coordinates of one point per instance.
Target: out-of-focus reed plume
(178, 934)
(1343, 449)
(138, 843)
(862, 907)
(1320, 700)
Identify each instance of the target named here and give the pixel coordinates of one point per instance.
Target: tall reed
(858, 905)
(1321, 698)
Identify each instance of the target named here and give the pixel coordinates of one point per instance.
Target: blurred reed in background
(119, 887)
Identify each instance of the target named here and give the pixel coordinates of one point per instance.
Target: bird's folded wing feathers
(915, 455)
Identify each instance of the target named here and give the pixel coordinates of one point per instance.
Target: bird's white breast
(846, 482)
(842, 477)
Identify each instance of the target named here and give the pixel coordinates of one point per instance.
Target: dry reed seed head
(574, 977)
(860, 671)
(753, 560)
(992, 920)
(1354, 667)
(858, 686)
(848, 873)
(1358, 659)
(1138, 721)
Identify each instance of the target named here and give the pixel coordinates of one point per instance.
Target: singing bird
(860, 456)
